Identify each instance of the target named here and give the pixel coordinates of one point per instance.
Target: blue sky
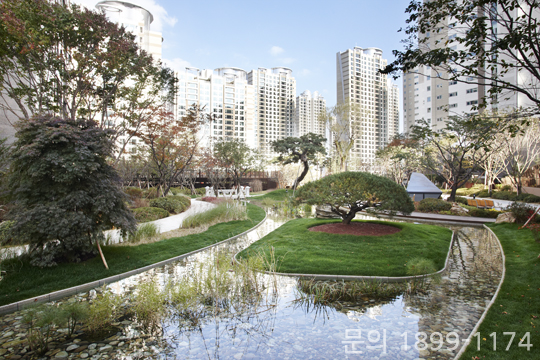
(302, 35)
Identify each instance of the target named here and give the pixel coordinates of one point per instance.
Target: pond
(428, 324)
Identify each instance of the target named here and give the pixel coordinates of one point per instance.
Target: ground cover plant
(173, 204)
(517, 307)
(22, 281)
(297, 250)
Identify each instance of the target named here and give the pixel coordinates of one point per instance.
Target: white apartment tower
(275, 93)
(429, 96)
(308, 108)
(137, 20)
(361, 85)
(224, 93)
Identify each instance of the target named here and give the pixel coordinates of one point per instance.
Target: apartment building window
(439, 97)
(470, 91)
(428, 99)
(453, 106)
(472, 102)
(429, 88)
(452, 82)
(453, 94)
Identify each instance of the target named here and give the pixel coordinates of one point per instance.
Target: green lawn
(278, 195)
(23, 281)
(517, 307)
(301, 251)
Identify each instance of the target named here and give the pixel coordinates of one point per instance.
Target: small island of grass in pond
(298, 250)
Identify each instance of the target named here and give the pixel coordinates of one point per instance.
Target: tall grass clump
(148, 305)
(103, 311)
(223, 212)
(144, 232)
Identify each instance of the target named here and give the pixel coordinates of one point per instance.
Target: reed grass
(223, 212)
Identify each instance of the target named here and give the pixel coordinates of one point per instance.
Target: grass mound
(298, 250)
(225, 211)
(277, 195)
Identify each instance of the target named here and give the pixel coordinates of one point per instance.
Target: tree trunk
(347, 219)
(452, 197)
(302, 175)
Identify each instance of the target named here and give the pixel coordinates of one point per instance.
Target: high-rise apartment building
(224, 93)
(308, 108)
(275, 93)
(360, 85)
(429, 95)
(137, 20)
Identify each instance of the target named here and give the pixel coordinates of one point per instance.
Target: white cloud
(276, 50)
(177, 63)
(161, 17)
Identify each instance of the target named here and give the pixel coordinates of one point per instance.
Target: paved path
(169, 223)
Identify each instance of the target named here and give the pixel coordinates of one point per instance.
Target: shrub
(145, 214)
(521, 211)
(528, 198)
(535, 229)
(187, 192)
(504, 195)
(506, 188)
(133, 192)
(485, 213)
(173, 204)
(225, 211)
(461, 200)
(433, 205)
(482, 194)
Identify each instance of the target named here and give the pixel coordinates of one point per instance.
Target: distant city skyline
(300, 35)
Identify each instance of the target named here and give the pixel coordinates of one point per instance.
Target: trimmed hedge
(461, 200)
(145, 214)
(173, 204)
(434, 205)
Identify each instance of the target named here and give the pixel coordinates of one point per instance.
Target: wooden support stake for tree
(102, 256)
(532, 216)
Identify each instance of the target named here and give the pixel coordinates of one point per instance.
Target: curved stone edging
(473, 331)
(56, 295)
(384, 279)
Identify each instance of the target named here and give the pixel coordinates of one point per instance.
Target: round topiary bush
(173, 204)
(434, 205)
(145, 214)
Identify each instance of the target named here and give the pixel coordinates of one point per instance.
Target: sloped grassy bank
(297, 250)
(22, 281)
